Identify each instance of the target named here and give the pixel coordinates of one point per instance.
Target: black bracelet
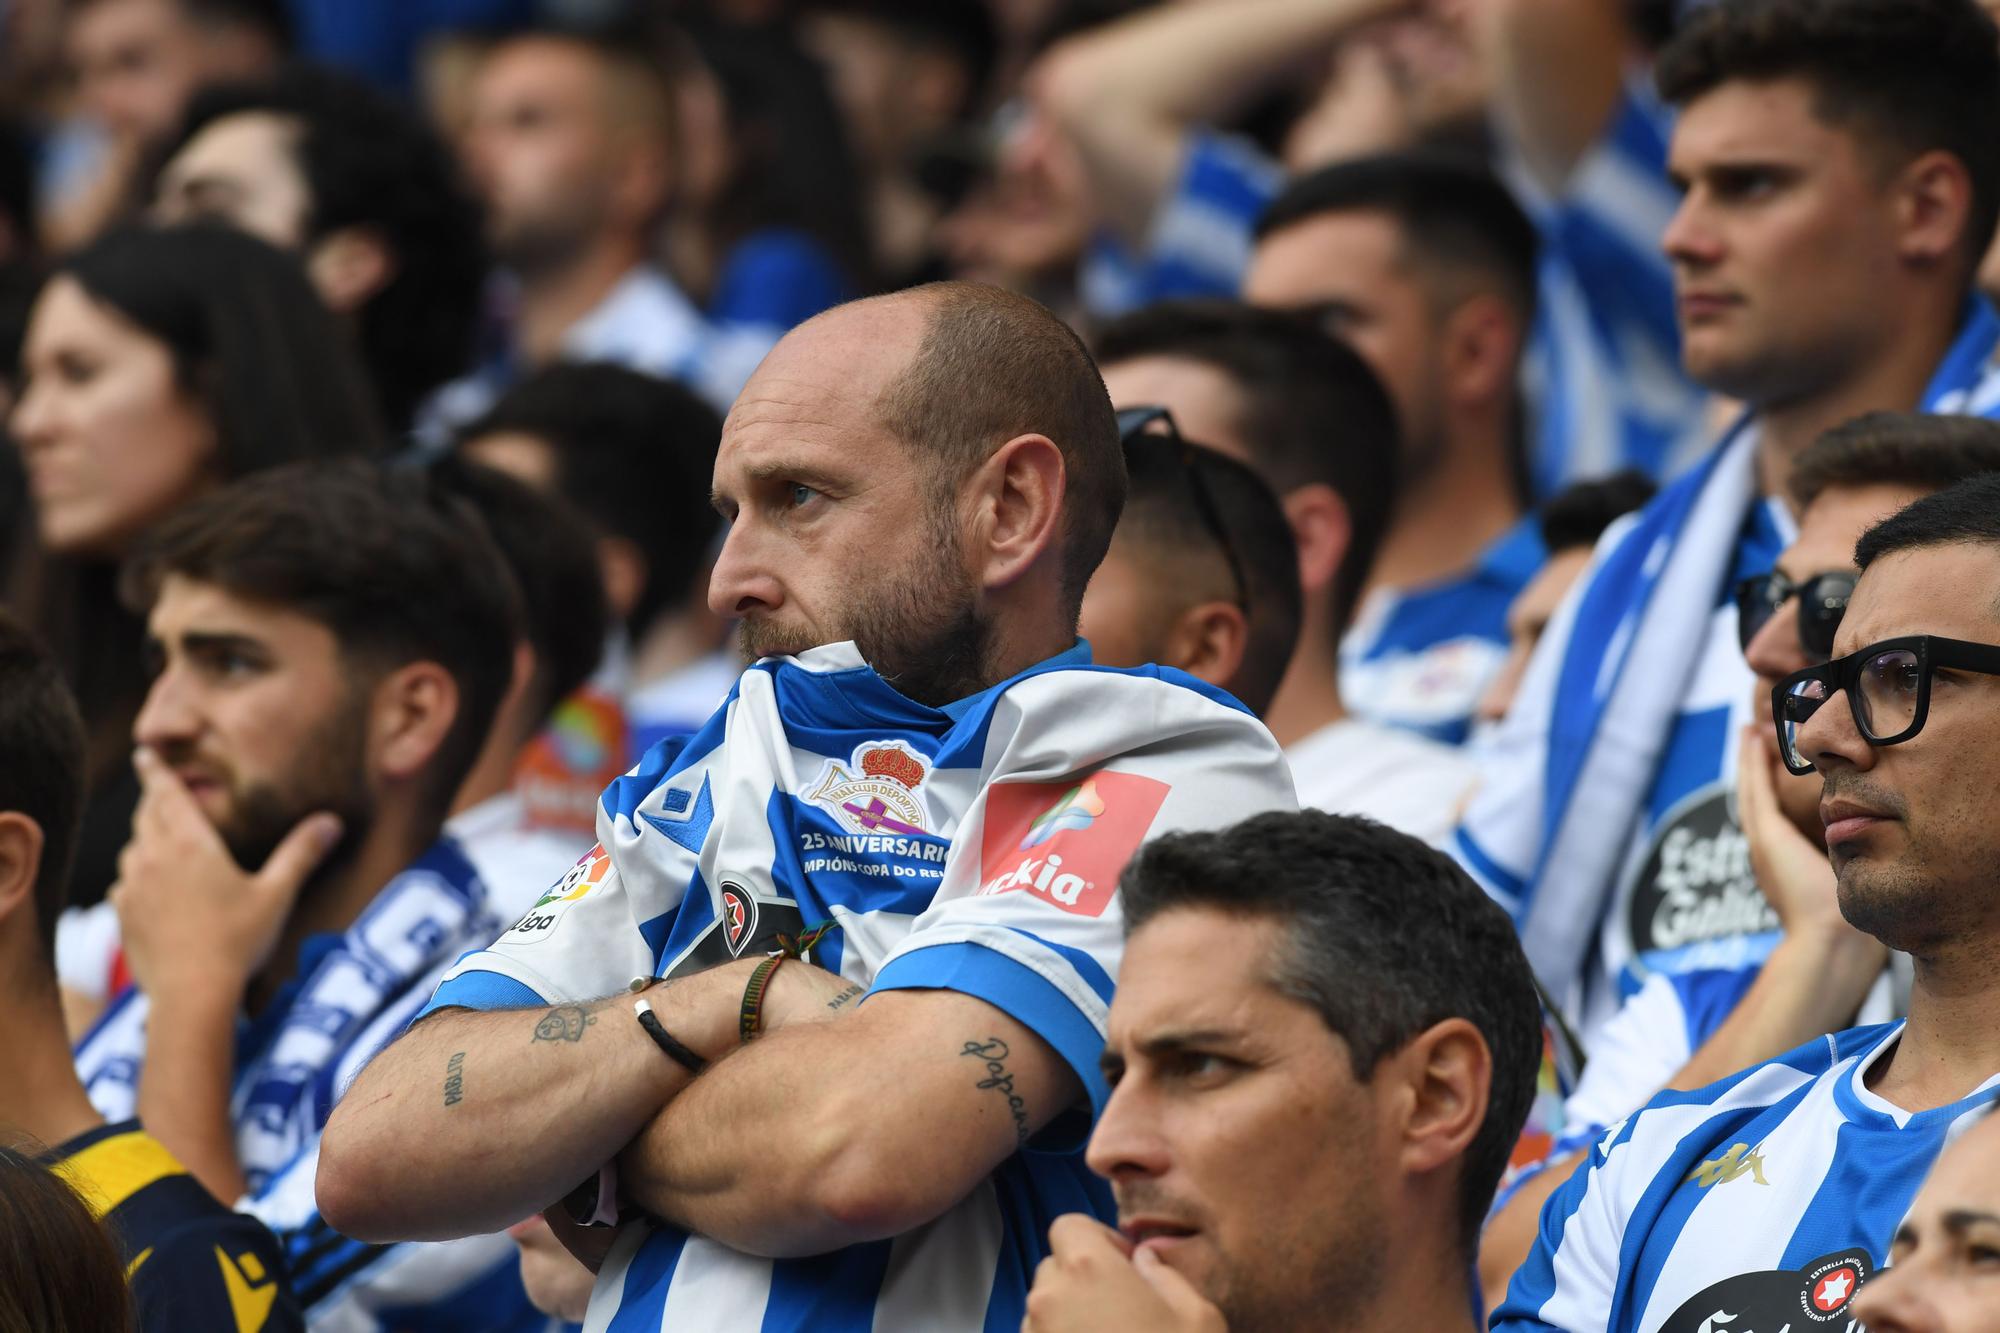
(663, 1039)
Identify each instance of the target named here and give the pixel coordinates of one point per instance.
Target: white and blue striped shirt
(974, 848)
(1759, 1202)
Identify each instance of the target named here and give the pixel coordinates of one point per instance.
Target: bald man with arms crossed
(922, 785)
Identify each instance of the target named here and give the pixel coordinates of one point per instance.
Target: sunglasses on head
(1822, 602)
(1135, 430)
(1888, 689)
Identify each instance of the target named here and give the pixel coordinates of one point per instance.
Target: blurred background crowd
(1409, 310)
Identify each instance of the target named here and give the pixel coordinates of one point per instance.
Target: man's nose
(1775, 652)
(168, 714)
(1127, 1142)
(1830, 739)
(741, 581)
(1690, 237)
(1893, 1301)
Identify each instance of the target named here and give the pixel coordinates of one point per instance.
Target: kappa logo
(739, 917)
(1066, 842)
(1732, 1165)
(878, 791)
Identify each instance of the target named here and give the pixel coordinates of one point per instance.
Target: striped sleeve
(1028, 916)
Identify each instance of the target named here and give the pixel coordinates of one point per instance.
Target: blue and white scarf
(1566, 778)
(423, 918)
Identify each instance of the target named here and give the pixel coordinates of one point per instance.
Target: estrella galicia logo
(1695, 884)
(739, 917)
(1818, 1294)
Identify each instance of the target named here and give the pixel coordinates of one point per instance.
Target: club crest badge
(739, 917)
(879, 791)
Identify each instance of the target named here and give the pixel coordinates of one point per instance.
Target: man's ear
(1017, 498)
(1444, 1077)
(1208, 642)
(1322, 529)
(348, 267)
(1933, 207)
(1482, 341)
(413, 709)
(20, 863)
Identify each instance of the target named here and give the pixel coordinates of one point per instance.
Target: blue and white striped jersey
(1761, 1202)
(1201, 235)
(974, 848)
(1602, 372)
(1420, 658)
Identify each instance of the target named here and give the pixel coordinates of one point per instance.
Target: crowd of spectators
(1118, 665)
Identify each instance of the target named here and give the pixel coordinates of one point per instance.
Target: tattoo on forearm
(992, 1053)
(845, 998)
(564, 1023)
(454, 1079)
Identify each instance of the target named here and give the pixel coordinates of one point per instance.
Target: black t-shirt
(193, 1263)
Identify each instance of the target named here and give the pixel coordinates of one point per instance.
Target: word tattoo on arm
(454, 1079)
(992, 1053)
(564, 1023)
(846, 997)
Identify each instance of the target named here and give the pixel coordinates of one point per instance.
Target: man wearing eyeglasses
(1766, 961)
(1771, 1197)
(1840, 185)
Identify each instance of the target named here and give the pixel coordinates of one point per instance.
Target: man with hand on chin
(1309, 1136)
(330, 645)
(1785, 1182)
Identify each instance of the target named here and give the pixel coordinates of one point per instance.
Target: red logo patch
(1066, 842)
(739, 917)
(1833, 1290)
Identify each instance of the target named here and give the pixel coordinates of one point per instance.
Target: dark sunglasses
(1822, 602)
(1887, 684)
(1134, 425)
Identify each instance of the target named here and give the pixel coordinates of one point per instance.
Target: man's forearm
(184, 1088)
(1128, 93)
(1558, 67)
(826, 1134)
(1811, 984)
(473, 1121)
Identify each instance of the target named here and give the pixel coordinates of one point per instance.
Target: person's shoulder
(189, 1257)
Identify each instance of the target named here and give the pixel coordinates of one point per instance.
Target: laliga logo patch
(1066, 843)
(576, 883)
(878, 791)
(739, 917)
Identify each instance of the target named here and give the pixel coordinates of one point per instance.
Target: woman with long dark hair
(158, 364)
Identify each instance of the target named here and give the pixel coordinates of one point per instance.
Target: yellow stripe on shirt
(109, 1172)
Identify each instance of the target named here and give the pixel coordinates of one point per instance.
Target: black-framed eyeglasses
(1134, 428)
(1822, 602)
(1888, 688)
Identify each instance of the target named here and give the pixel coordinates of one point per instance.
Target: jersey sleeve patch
(1066, 842)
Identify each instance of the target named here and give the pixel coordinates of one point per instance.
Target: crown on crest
(896, 765)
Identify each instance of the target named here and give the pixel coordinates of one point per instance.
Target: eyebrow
(777, 469)
(215, 641)
(1170, 1042)
(1962, 1219)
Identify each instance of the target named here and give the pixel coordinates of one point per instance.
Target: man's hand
(1093, 1283)
(1791, 868)
(192, 922)
(802, 993)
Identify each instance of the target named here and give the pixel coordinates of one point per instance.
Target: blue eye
(803, 495)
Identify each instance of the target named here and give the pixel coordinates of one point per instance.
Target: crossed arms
(846, 1122)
